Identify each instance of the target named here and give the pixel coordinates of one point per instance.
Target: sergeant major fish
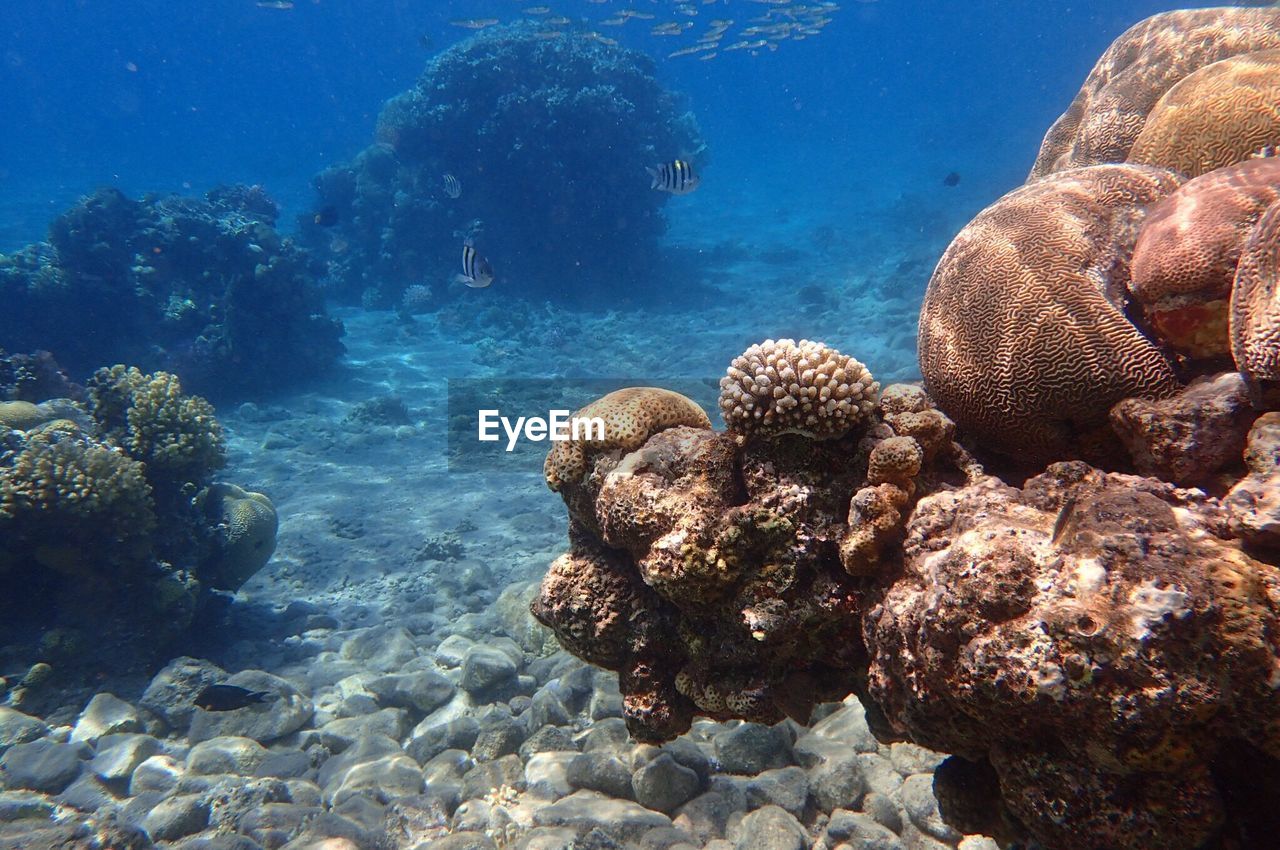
(228, 698)
(676, 177)
(476, 271)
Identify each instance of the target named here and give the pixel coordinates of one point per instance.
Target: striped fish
(452, 186)
(676, 177)
(476, 271)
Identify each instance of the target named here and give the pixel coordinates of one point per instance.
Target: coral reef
(1216, 116)
(114, 533)
(1024, 340)
(1184, 262)
(782, 386)
(571, 120)
(1255, 302)
(204, 288)
(1110, 111)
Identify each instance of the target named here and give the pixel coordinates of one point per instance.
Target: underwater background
(269, 205)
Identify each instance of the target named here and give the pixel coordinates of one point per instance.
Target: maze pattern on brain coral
(1109, 112)
(1214, 117)
(1022, 338)
(1255, 301)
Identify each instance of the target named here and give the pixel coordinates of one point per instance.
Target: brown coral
(1111, 108)
(1215, 116)
(630, 416)
(1253, 505)
(1184, 262)
(783, 386)
(247, 525)
(1023, 337)
(1255, 302)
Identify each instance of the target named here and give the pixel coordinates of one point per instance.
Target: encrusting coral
(783, 386)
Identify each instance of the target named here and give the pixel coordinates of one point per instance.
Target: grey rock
(286, 711)
(171, 691)
(600, 771)
(689, 754)
(487, 672)
(304, 792)
(24, 805)
(106, 714)
(420, 690)
(609, 735)
(546, 775)
(836, 783)
(385, 648)
(42, 765)
(548, 739)
(276, 824)
(884, 810)
(908, 758)
(459, 841)
(362, 809)
(427, 742)
(706, 816)
(666, 838)
(374, 763)
(751, 748)
(848, 726)
(118, 756)
(664, 784)
(605, 703)
(19, 728)
(922, 808)
(284, 764)
(219, 841)
(489, 775)
(587, 809)
(878, 774)
(502, 737)
(785, 787)
(546, 709)
(177, 817)
(226, 754)
(135, 809)
(770, 828)
(232, 799)
(861, 831)
(88, 793)
(156, 773)
(327, 825)
(337, 735)
(453, 649)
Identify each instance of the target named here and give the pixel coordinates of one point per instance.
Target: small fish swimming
(326, 216)
(676, 177)
(952, 179)
(452, 186)
(228, 698)
(474, 23)
(1063, 520)
(476, 271)
(275, 4)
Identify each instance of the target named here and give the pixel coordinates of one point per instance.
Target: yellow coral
(20, 415)
(247, 525)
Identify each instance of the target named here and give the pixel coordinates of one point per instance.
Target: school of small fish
(763, 25)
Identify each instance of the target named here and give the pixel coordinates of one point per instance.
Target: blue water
(893, 95)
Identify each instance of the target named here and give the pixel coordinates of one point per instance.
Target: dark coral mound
(548, 137)
(206, 288)
(112, 531)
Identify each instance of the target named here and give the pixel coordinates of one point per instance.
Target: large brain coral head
(783, 386)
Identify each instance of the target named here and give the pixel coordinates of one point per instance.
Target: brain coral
(1023, 337)
(1185, 259)
(174, 434)
(247, 525)
(1215, 116)
(1111, 108)
(1255, 301)
(783, 386)
(631, 416)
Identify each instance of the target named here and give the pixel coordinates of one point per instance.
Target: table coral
(783, 386)
(1023, 337)
(1184, 262)
(1111, 108)
(1216, 116)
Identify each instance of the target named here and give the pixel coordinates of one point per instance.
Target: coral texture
(571, 120)
(207, 289)
(1023, 337)
(630, 416)
(1111, 108)
(1184, 262)
(1216, 116)
(246, 523)
(1255, 302)
(783, 386)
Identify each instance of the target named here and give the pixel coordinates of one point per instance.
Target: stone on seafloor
(1253, 504)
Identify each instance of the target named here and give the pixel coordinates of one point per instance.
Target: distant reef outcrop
(204, 288)
(532, 143)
